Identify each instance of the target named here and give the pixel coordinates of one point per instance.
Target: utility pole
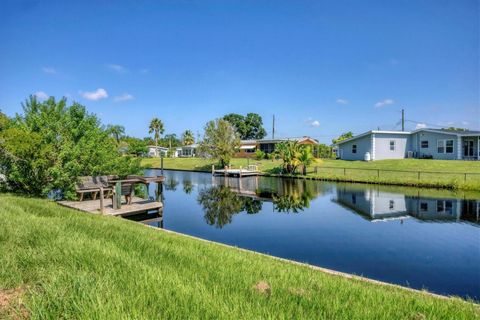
(273, 128)
(403, 120)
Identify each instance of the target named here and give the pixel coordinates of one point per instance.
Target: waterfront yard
(61, 263)
(433, 173)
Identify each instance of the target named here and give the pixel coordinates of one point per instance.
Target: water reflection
(427, 238)
(187, 186)
(376, 205)
(287, 195)
(220, 204)
(171, 184)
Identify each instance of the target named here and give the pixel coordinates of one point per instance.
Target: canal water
(420, 238)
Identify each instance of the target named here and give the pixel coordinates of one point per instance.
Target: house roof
(456, 133)
(299, 139)
(370, 132)
(158, 147)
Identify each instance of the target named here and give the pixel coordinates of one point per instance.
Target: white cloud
(117, 68)
(49, 70)
(41, 95)
(144, 71)
(420, 126)
(123, 97)
(465, 123)
(314, 123)
(95, 95)
(384, 103)
(342, 101)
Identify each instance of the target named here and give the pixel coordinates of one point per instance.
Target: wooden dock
(251, 170)
(138, 205)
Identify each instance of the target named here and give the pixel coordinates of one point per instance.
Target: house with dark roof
(248, 147)
(422, 143)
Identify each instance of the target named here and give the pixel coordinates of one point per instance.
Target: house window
(444, 206)
(391, 205)
(354, 148)
(392, 145)
(445, 146)
(423, 206)
(449, 146)
(424, 144)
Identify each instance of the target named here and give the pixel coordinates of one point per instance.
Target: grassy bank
(60, 263)
(433, 173)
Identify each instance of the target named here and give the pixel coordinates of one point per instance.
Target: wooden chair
(94, 186)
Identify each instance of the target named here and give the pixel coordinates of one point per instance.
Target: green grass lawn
(434, 173)
(62, 263)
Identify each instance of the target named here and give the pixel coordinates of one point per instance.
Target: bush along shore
(449, 174)
(61, 263)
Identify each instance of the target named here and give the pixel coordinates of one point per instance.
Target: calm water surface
(413, 237)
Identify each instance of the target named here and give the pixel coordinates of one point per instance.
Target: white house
(156, 151)
(421, 143)
(189, 151)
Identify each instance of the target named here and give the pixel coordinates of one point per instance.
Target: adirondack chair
(94, 186)
(127, 188)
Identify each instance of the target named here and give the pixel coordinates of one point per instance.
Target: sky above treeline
(322, 67)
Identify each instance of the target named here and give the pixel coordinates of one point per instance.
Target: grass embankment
(434, 173)
(63, 263)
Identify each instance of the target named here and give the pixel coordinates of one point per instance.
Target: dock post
(161, 164)
(102, 210)
(240, 171)
(225, 170)
(117, 197)
(213, 169)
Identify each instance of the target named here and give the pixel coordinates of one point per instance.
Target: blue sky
(322, 67)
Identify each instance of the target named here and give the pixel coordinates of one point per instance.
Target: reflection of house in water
(376, 205)
(372, 204)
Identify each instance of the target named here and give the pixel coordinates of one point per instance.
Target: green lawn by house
(63, 263)
(434, 173)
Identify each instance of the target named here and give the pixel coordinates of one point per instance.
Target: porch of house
(470, 148)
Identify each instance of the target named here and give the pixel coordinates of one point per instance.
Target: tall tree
(254, 127)
(156, 127)
(116, 131)
(188, 138)
(343, 136)
(247, 127)
(220, 141)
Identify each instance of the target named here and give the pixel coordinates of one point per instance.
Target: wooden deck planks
(138, 205)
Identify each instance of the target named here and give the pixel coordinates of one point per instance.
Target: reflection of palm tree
(251, 206)
(219, 204)
(294, 199)
(171, 184)
(187, 186)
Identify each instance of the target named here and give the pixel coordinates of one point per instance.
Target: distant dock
(251, 170)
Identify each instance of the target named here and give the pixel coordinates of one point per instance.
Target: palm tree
(289, 152)
(116, 132)
(170, 137)
(156, 127)
(187, 138)
(306, 158)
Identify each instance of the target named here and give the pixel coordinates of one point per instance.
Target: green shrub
(52, 144)
(259, 154)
